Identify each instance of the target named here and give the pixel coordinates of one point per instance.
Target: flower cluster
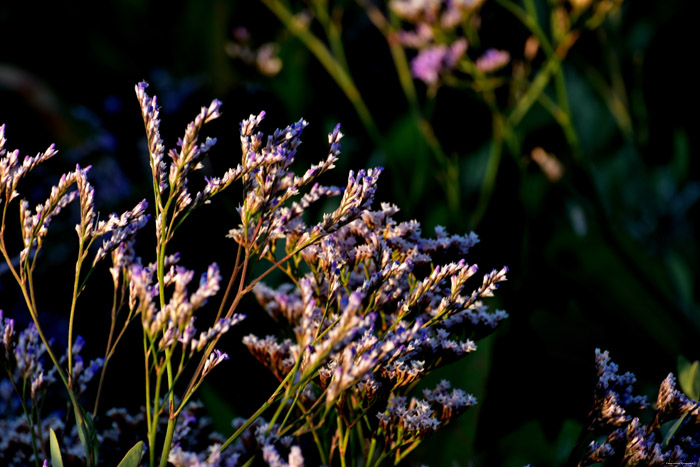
(25, 389)
(11, 171)
(622, 438)
(434, 33)
(441, 31)
(373, 315)
(401, 423)
(372, 307)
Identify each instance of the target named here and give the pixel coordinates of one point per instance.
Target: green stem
(253, 417)
(400, 457)
(172, 418)
(317, 441)
(530, 23)
(403, 71)
(168, 440)
(554, 67)
(26, 414)
(531, 10)
(153, 429)
(287, 393)
(372, 448)
(489, 180)
(330, 63)
(332, 31)
(74, 301)
(535, 89)
(81, 422)
(342, 439)
(291, 408)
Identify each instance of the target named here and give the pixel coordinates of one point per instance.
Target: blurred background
(573, 158)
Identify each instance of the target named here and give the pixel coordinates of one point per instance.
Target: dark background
(604, 261)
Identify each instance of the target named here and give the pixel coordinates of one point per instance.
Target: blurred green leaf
(689, 377)
(56, 459)
(594, 123)
(682, 277)
(291, 85)
(219, 410)
(408, 156)
(472, 169)
(591, 261)
(87, 433)
(133, 457)
(681, 154)
(528, 444)
(566, 441)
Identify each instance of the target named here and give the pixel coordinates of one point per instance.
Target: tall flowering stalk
(373, 311)
(34, 226)
(268, 185)
(372, 306)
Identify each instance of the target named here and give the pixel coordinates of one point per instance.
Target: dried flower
(7, 330)
(492, 60)
(627, 438)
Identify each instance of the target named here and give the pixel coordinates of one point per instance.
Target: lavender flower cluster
(23, 393)
(442, 30)
(434, 32)
(621, 438)
(373, 315)
(372, 307)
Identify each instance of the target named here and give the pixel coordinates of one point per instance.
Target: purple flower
(434, 61)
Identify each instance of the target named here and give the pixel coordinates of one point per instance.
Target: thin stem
(332, 31)
(334, 68)
(487, 185)
(3, 249)
(36, 409)
(26, 414)
(107, 353)
(342, 439)
(402, 455)
(271, 400)
(172, 418)
(239, 295)
(287, 393)
(535, 89)
(291, 408)
(74, 301)
(423, 124)
(30, 300)
(231, 281)
(153, 428)
(372, 448)
(151, 446)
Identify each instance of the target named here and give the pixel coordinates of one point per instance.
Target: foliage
(572, 158)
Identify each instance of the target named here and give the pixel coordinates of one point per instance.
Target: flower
(434, 61)
(492, 60)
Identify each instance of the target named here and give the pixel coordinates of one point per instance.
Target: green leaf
(56, 459)
(133, 457)
(689, 377)
(87, 435)
(673, 429)
(218, 407)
